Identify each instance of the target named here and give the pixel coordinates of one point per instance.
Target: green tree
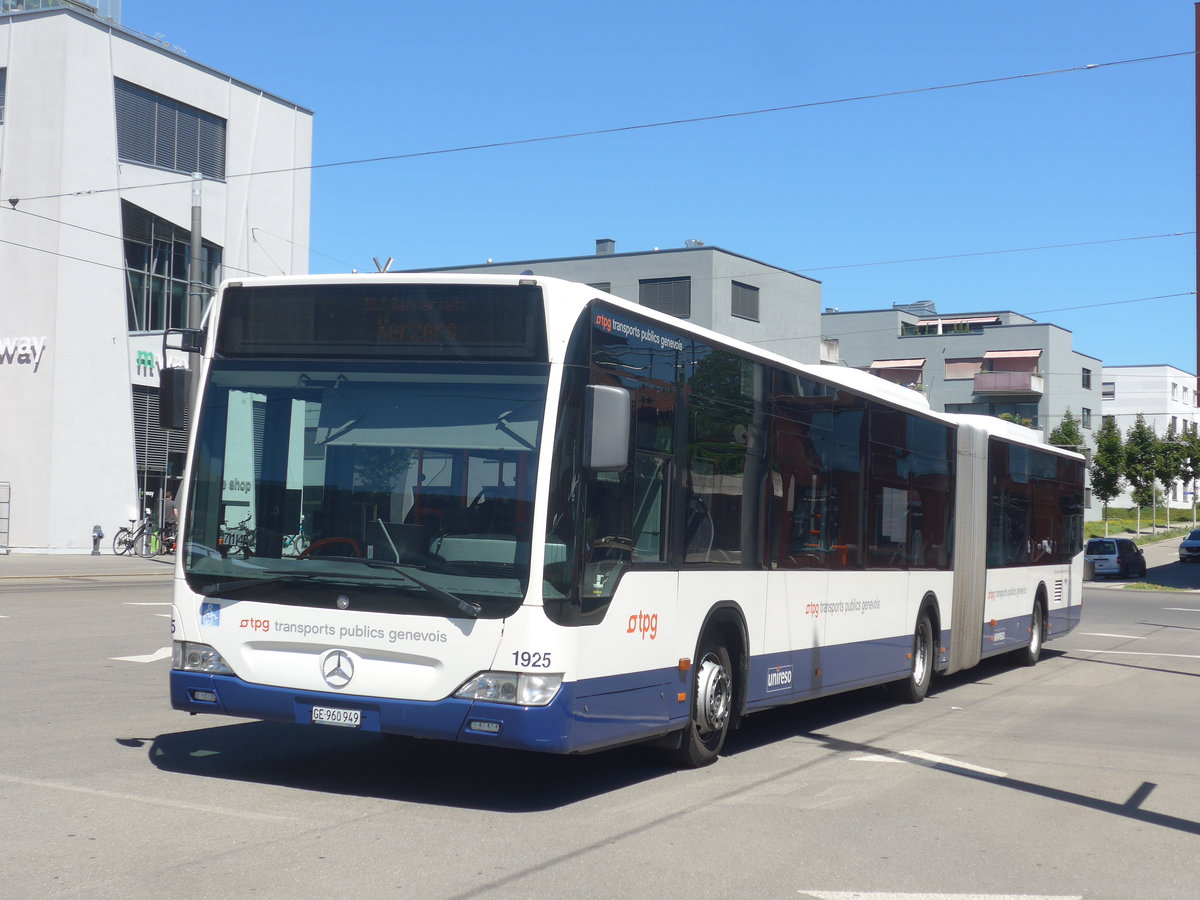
(1013, 417)
(1108, 464)
(1068, 434)
(1171, 464)
(1191, 466)
(1141, 460)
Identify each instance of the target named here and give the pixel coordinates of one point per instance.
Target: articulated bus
(519, 512)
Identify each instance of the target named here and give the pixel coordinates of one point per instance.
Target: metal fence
(5, 513)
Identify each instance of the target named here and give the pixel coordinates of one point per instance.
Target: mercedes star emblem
(337, 668)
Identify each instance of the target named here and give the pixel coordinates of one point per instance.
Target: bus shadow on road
(354, 763)
(388, 767)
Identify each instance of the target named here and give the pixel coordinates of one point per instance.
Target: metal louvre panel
(157, 131)
(187, 138)
(3, 79)
(151, 443)
(211, 145)
(135, 123)
(165, 124)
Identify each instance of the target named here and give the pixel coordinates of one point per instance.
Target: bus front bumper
(569, 724)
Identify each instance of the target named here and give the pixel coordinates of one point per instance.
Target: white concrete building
(1164, 395)
(100, 128)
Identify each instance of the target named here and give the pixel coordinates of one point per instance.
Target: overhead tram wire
(895, 262)
(865, 331)
(797, 270)
(623, 129)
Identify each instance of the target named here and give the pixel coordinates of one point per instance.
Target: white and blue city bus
(537, 516)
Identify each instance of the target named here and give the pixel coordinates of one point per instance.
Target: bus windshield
(395, 487)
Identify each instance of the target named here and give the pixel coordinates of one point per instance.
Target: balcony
(1009, 383)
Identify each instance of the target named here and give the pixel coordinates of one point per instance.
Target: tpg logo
(145, 362)
(779, 678)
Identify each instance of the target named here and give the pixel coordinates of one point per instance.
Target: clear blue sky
(1100, 155)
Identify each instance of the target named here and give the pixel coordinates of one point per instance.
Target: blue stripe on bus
(789, 676)
(593, 713)
(1012, 634)
(585, 715)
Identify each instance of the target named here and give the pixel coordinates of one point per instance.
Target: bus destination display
(383, 321)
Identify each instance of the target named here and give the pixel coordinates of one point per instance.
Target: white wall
(66, 425)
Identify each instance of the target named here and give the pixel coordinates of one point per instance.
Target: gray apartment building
(726, 292)
(991, 363)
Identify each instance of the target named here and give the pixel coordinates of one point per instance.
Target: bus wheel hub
(713, 696)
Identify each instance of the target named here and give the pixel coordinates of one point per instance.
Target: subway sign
(22, 351)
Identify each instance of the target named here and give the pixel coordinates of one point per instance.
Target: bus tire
(1037, 636)
(914, 688)
(712, 707)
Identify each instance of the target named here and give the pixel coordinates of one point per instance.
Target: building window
(1022, 413)
(1108, 420)
(1174, 390)
(1085, 417)
(605, 286)
(1108, 390)
(745, 301)
(672, 296)
(157, 270)
(1087, 379)
(3, 80)
(157, 131)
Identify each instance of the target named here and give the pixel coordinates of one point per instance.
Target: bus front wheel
(712, 706)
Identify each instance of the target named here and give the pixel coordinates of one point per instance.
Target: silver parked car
(1115, 556)
(1189, 547)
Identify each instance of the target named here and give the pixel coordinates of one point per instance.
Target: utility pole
(1196, 67)
(195, 291)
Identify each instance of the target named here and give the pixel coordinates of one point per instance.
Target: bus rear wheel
(712, 707)
(1037, 634)
(914, 688)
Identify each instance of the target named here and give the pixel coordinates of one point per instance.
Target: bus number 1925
(527, 660)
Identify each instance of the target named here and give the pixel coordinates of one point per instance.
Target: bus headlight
(521, 689)
(192, 657)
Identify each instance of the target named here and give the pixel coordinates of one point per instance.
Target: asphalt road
(1075, 778)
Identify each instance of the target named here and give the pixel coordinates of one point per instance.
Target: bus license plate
(327, 715)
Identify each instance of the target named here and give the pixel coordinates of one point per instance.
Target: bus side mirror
(607, 412)
(183, 340)
(172, 399)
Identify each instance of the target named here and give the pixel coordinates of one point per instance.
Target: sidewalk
(19, 566)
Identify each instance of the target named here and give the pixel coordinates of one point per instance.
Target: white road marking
(152, 801)
(163, 653)
(1126, 637)
(930, 760)
(1180, 609)
(1141, 653)
(892, 895)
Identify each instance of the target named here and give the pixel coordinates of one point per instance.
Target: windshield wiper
(466, 607)
(231, 587)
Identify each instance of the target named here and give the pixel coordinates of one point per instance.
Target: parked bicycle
(238, 539)
(137, 538)
(295, 544)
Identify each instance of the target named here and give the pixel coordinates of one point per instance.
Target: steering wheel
(324, 542)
